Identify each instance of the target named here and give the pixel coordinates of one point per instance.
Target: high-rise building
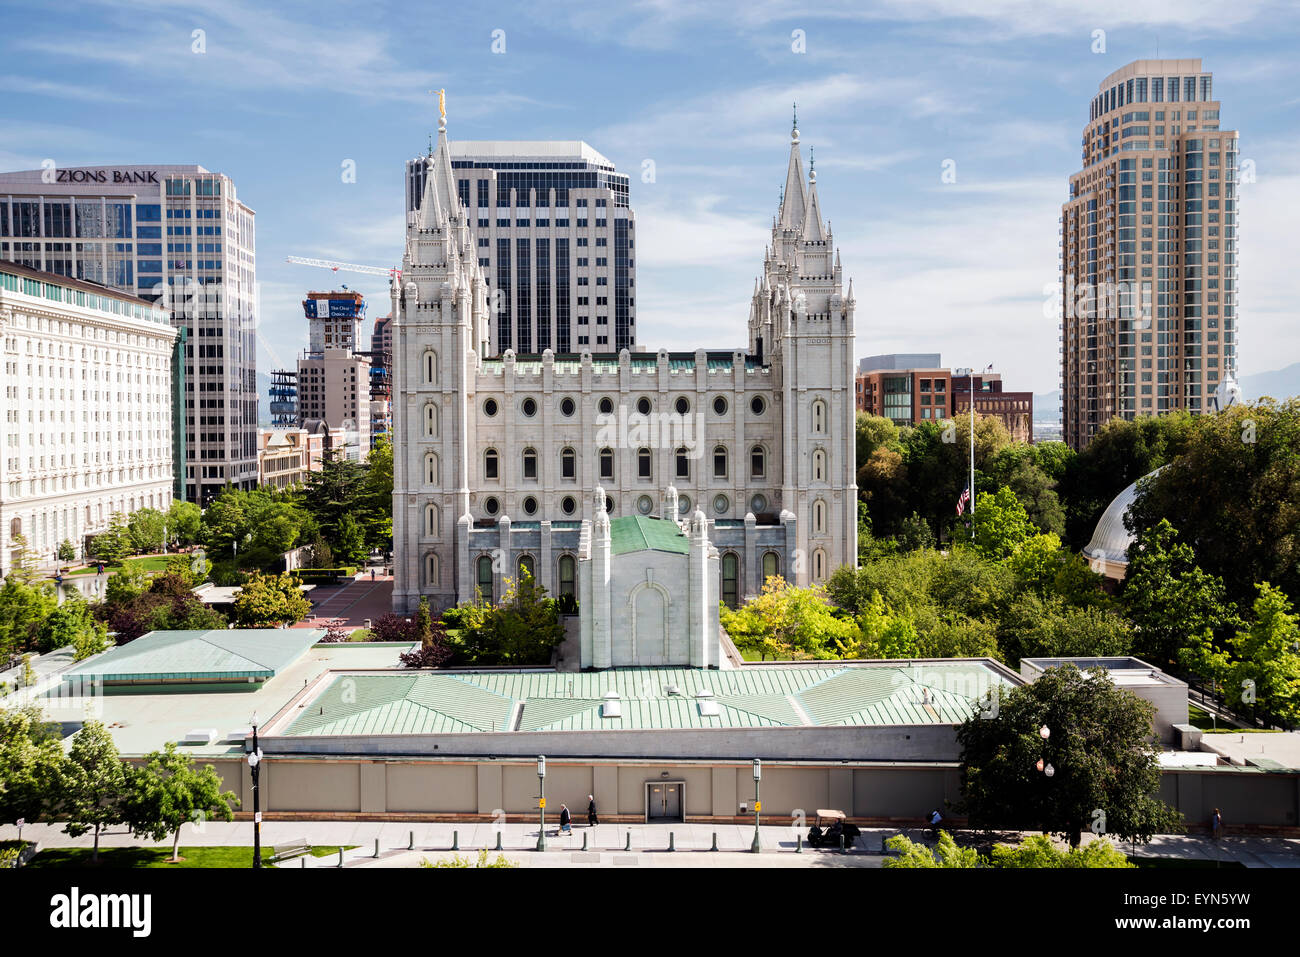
(178, 234)
(88, 399)
(381, 379)
(333, 377)
(506, 464)
(1149, 251)
(555, 237)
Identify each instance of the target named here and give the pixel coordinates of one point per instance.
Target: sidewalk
(607, 843)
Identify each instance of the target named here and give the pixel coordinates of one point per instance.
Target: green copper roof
(200, 655)
(636, 533)
(836, 695)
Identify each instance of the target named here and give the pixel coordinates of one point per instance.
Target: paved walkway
(353, 602)
(606, 844)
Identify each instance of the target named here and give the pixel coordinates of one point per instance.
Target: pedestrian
(592, 820)
(100, 568)
(1216, 824)
(372, 574)
(935, 820)
(565, 826)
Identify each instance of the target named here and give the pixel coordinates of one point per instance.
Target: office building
(1149, 251)
(906, 389)
(173, 233)
(88, 399)
(381, 380)
(554, 235)
(1014, 409)
(333, 378)
(503, 463)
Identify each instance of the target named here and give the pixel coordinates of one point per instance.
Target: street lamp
(758, 804)
(541, 802)
(255, 766)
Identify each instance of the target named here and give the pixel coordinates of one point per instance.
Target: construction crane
(393, 273)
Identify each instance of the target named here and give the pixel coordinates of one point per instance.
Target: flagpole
(972, 453)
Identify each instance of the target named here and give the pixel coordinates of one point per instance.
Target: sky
(693, 101)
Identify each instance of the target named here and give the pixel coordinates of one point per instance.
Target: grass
(118, 857)
(1202, 719)
(360, 634)
(150, 563)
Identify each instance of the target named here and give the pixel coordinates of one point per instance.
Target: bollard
(584, 840)
(672, 846)
(340, 863)
(302, 861)
(798, 844)
(455, 840)
(498, 847)
(376, 847)
(627, 845)
(715, 841)
(411, 846)
(843, 849)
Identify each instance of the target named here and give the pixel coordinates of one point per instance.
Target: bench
(283, 852)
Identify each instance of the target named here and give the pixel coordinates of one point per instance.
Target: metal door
(673, 802)
(664, 801)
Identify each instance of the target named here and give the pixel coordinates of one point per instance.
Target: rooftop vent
(612, 708)
(709, 709)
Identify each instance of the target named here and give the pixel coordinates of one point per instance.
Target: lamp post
(541, 802)
(758, 804)
(255, 766)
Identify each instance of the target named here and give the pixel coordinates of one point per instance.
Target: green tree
(873, 432)
(168, 792)
(144, 530)
(25, 604)
(334, 491)
(1099, 746)
(73, 624)
(351, 542)
(880, 634)
(1038, 627)
(184, 522)
(1002, 525)
(1265, 666)
(783, 621)
(31, 756)
(265, 601)
(113, 546)
(123, 585)
(377, 496)
(92, 783)
(67, 552)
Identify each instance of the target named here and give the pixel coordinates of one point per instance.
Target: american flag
(961, 502)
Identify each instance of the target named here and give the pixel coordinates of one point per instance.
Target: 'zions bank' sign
(106, 176)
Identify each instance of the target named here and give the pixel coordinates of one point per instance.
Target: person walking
(1216, 825)
(935, 820)
(565, 826)
(592, 820)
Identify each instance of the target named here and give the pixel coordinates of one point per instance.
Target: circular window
(491, 506)
(720, 504)
(530, 505)
(567, 407)
(643, 405)
(682, 405)
(758, 504)
(645, 504)
(607, 406)
(609, 504)
(568, 505)
(490, 407)
(529, 407)
(720, 406)
(757, 405)
(684, 504)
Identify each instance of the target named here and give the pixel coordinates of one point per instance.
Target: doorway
(664, 801)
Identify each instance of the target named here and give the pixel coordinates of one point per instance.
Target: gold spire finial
(442, 104)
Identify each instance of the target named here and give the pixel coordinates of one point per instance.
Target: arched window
(819, 417)
(720, 462)
(819, 565)
(771, 565)
(819, 465)
(568, 464)
(683, 463)
(607, 463)
(730, 579)
(431, 520)
(819, 517)
(527, 567)
(530, 463)
(756, 462)
(431, 469)
(432, 570)
(485, 577)
(568, 571)
(431, 420)
(430, 367)
(491, 464)
(643, 463)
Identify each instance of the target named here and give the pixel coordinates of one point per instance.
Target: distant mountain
(1047, 406)
(1280, 383)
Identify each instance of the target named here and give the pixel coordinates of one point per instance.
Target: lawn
(150, 563)
(115, 857)
(1202, 719)
(360, 634)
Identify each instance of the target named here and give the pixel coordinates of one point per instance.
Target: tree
(332, 492)
(1001, 525)
(1174, 604)
(25, 604)
(30, 758)
(92, 783)
(1106, 773)
(144, 530)
(524, 629)
(377, 496)
(1038, 627)
(391, 627)
(166, 603)
(351, 542)
(168, 792)
(1265, 666)
(265, 601)
(880, 634)
(67, 552)
(113, 546)
(72, 624)
(184, 522)
(787, 622)
(128, 582)
(873, 432)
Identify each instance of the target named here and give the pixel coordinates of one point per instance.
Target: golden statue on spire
(442, 104)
